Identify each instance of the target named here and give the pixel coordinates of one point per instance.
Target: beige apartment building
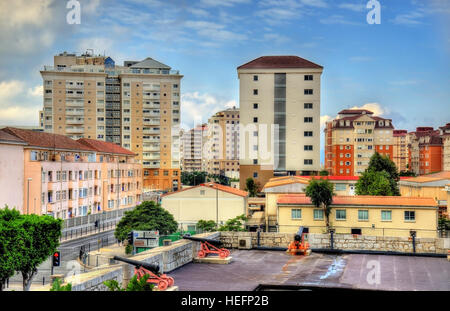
(191, 148)
(400, 155)
(52, 174)
(352, 138)
(136, 106)
(279, 100)
(445, 135)
(221, 151)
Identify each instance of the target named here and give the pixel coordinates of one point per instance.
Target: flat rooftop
(251, 268)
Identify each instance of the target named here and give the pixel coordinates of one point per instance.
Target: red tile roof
(274, 62)
(46, 140)
(302, 199)
(212, 185)
(103, 146)
(7, 137)
(355, 111)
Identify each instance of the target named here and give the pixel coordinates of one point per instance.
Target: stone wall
(342, 241)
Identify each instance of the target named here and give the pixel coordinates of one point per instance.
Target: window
(255, 161)
(308, 133)
(296, 214)
(255, 78)
(255, 92)
(202, 192)
(356, 231)
(308, 106)
(255, 106)
(308, 119)
(308, 147)
(410, 216)
(255, 120)
(255, 175)
(308, 77)
(341, 214)
(386, 215)
(308, 161)
(340, 187)
(33, 155)
(363, 215)
(308, 92)
(318, 214)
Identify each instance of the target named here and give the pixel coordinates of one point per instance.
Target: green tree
(207, 225)
(324, 173)
(321, 193)
(193, 178)
(379, 164)
(374, 183)
(234, 224)
(57, 287)
(134, 285)
(252, 187)
(41, 238)
(146, 216)
(220, 179)
(10, 243)
(407, 174)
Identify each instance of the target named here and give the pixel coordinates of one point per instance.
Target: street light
(28, 194)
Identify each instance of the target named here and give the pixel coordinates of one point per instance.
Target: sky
(399, 68)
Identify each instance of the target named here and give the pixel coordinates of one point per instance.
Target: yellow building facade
(208, 201)
(360, 215)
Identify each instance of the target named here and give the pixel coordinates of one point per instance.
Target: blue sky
(399, 68)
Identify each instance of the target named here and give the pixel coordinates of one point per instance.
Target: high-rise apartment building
(55, 175)
(425, 151)
(352, 138)
(279, 100)
(400, 154)
(136, 105)
(221, 155)
(191, 149)
(445, 135)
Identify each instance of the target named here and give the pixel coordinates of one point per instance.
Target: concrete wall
(342, 241)
(199, 203)
(12, 177)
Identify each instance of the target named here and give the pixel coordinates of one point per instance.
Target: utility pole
(217, 205)
(28, 194)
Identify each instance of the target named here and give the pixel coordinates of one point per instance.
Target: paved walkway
(249, 269)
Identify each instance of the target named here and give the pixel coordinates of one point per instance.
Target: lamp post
(28, 194)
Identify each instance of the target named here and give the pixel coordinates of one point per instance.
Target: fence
(174, 237)
(364, 230)
(90, 224)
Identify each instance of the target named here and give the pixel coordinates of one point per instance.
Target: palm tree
(321, 194)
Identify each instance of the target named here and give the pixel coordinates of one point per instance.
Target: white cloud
(360, 58)
(356, 7)
(9, 89)
(197, 107)
(19, 104)
(337, 19)
(227, 3)
(214, 31)
(376, 108)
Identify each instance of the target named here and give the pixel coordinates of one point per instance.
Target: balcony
(75, 130)
(75, 112)
(75, 121)
(155, 147)
(152, 131)
(151, 122)
(154, 156)
(75, 104)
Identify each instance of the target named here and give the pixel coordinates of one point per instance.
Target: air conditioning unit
(245, 243)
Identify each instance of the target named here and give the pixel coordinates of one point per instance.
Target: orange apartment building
(136, 106)
(425, 151)
(352, 138)
(66, 178)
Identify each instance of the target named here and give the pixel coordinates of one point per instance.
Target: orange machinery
(299, 245)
